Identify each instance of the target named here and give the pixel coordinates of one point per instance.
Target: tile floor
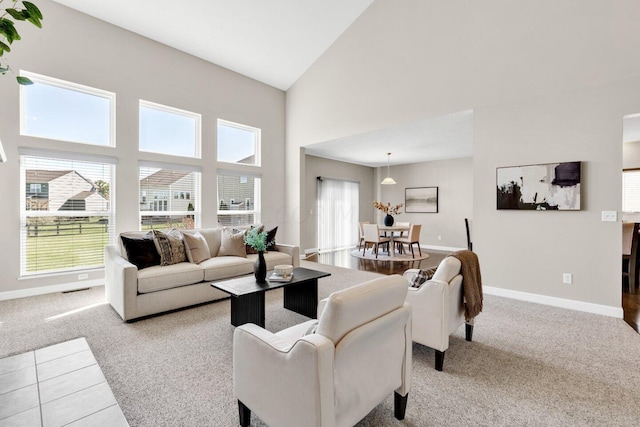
(60, 385)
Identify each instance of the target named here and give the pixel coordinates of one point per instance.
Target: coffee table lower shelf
(248, 297)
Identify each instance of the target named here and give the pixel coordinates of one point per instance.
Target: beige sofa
(135, 293)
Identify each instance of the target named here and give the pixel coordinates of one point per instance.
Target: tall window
(169, 197)
(238, 143)
(238, 199)
(168, 130)
(66, 212)
(65, 111)
(631, 190)
(338, 213)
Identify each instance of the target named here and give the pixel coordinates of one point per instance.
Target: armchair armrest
(431, 313)
(121, 283)
(271, 373)
(293, 251)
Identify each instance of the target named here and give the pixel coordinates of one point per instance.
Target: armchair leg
(399, 405)
(439, 360)
(468, 329)
(245, 414)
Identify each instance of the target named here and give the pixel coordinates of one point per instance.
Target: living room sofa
(135, 293)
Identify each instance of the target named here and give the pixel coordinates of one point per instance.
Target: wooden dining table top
(393, 227)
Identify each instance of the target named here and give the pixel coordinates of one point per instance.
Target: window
(338, 213)
(631, 190)
(168, 130)
(238, 143)
(60, 110)
(163, 197)
(238, 199)
(66, 214)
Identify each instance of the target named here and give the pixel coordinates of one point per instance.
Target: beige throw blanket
(471, 283)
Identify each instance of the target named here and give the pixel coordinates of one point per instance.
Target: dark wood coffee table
(247, 296)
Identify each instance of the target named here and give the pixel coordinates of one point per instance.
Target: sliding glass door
(338, 213)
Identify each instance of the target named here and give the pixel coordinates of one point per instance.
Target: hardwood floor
(630, 302)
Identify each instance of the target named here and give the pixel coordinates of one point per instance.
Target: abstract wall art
(421, 200)
(551, 186)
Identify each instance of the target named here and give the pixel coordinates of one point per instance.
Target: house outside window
(66, 215)
(238, 199)
(163, 199)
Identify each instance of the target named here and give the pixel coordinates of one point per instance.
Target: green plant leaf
(33, 9)
(23, 80)
(3, 70)
(8, 30)
(4, 48)
(16, 14)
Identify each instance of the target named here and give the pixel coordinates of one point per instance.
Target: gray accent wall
(548, 82)
(75, 47)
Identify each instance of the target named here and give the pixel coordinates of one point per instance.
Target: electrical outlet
(83, 276)
(610, 216)
(567, 278)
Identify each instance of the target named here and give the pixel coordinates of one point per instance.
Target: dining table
(391, 229)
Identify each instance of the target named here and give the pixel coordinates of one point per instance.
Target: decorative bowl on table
(284, 270)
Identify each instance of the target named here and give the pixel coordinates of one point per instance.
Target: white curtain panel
(338, 213)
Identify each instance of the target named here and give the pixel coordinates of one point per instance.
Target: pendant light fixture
(388, 180)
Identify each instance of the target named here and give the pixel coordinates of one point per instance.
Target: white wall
(77, 48)
(548, 81)
(454, 179)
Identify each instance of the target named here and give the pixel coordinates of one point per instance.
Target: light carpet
(529, 364)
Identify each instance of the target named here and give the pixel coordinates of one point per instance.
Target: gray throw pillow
(422, 276)
(170, 246)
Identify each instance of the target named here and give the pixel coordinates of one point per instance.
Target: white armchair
(438, 308)
(359, 353)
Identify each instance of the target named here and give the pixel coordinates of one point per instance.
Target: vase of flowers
(258, 241)
(389, 211)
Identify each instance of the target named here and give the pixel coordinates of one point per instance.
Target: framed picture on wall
(421, 200)
(543, 187)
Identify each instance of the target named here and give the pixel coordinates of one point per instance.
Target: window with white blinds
(169, 197)
(338, 213)
(631, 190)
(66, 212)
(238, 199)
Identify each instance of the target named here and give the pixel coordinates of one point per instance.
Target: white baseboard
(64, 287)
(587, 307)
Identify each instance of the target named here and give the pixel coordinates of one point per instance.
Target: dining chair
(630, 253)
(411, 239)
(372, 235)
(360, 224)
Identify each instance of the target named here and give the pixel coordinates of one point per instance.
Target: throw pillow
(170, 246)
(422, 276)
(141, 252)
(232, 244)
(271, 238)
(312, 329)
(248, 248)
(196, 247)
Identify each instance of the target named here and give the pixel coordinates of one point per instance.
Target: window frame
(257, 197)
(257, 148)
(177, 111)
(64, 84)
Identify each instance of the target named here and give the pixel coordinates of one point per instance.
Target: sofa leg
(245, 414)
(439, 360)
(399, 405)
(468, 329)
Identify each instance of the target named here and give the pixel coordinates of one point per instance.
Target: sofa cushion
(225, 267)
(141, 252)
(170, 246)
(213, 236)
(196, 247)
(158, 278)
(133, 235)
(232, 244)
(273, 258)
(271, 238)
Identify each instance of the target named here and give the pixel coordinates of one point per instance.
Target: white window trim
(178, 111)
(257, 147)
(51, 81)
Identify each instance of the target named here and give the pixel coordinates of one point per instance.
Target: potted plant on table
(389, 211)
(258, 241)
